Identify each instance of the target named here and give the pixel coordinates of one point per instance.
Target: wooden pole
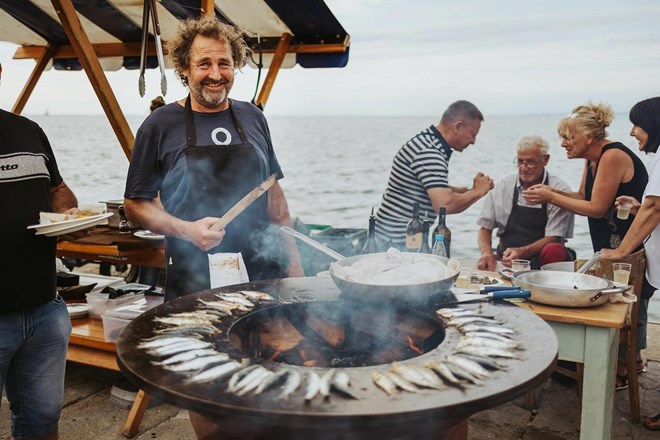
(45, 55)
(208, 7)
(90, 62)
(276, 63)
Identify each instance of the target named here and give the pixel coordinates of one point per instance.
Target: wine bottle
(414, 231)
(371, 245)
(443, 230)
(424, 248)
(439, 248)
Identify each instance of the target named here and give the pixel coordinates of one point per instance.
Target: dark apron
(218, 177)
(524, 226)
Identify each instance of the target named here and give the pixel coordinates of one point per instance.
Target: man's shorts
(33, 346)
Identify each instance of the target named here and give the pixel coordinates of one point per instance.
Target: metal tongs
(150, 10)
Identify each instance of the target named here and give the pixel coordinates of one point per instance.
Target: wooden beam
(208, 7)
(90, 62)
(133, 50)
(275, 64)
(45, 56)
(101, 51)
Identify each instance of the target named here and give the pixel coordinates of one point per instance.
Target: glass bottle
(443, 230)
(371, 245)
(424, 248)
(414, 231)
(439, 248)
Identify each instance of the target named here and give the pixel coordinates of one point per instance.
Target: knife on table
(497, 295)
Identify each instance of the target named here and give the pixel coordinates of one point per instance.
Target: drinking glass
(623, 211)
(621, 272)
(517, 265)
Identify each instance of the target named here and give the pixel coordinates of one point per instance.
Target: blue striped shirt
(422, 163)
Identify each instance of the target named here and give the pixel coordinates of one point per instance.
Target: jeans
(33, 347)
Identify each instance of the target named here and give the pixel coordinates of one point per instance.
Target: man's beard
(210, 100)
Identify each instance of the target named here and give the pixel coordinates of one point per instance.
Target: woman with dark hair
(645, 117)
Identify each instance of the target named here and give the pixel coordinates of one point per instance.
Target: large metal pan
(410, 293)
(565, 288)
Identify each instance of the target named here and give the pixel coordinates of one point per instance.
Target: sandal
(652, 422)
(621, 382)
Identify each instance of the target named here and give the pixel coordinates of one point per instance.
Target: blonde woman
(611, 170)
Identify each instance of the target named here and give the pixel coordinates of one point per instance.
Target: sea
(336, 168)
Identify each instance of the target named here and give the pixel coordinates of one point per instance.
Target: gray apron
(524, 226)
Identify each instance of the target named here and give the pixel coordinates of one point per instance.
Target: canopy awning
(114, 28)
(106, 35)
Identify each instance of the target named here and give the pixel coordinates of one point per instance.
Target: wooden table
(589, 336)
(108, 245)
(87, 346)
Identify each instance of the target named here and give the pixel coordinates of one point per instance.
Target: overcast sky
(413, 57)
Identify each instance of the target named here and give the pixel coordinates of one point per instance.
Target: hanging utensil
(143, 46)
(246, 201)
(159, 47)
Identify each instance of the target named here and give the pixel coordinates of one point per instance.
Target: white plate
(77, 310)
(148, 235)
(79, 224)
(66, 223)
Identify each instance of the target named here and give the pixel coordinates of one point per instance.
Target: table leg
(134, 418)
(600, 355)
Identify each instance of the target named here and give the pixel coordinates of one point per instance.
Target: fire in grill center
(335, 334)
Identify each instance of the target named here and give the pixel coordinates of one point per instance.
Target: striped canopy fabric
(318, 39)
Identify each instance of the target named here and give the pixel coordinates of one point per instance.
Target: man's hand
(482, 184)
(511, 254)
(538, 194)
(487, 262)
(201, 235)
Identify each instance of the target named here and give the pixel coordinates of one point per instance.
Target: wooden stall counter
(108, 245)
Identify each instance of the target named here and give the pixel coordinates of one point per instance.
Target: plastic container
(116, 318)
(99, 302)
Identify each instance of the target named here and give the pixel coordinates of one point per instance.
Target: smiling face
(531, 165)
(210, 74)
(642, 136)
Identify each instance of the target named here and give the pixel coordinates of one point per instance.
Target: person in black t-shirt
(34, 322)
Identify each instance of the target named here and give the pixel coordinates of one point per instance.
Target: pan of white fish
(397, 276)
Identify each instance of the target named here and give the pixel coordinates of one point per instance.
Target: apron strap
(191, 137)
(239, 127)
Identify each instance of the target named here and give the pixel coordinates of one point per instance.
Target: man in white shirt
(532, 232)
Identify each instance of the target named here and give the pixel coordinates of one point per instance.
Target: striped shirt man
(422, 163)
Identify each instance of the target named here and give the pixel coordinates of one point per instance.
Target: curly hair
(646, 115)
(588, 119)
(209, 27)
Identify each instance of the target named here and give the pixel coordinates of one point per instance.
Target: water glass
(463, 280)
(623, 211)
(517, 265)
(621, 273)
